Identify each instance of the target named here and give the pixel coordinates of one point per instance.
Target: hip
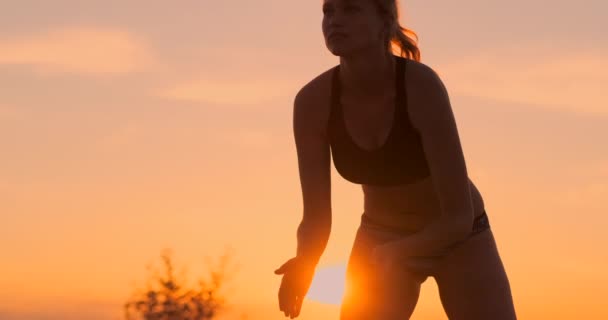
(375, 234)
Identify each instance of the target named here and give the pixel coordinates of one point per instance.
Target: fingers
(280, 296)
(298, 306)
(286, 298)
(288, 306)
(283, 299)
(289, 303)
(294, 307)
(290, 299)
(281, 270)
(284, 267)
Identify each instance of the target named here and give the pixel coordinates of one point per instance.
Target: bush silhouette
(168, 298)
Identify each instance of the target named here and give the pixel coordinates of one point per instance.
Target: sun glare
(328, 285)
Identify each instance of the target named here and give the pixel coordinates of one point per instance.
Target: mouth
(336, 35)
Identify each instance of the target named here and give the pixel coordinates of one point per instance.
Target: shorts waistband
(480, 224)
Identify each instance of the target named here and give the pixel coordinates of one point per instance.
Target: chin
(339, 50)
(345, 48)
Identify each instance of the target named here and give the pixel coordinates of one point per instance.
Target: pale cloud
(244, 91)
(82, 50)
(538, 75)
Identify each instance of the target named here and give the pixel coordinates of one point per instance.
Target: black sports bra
(400, 160)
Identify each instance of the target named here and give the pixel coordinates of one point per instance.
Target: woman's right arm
(312, 144)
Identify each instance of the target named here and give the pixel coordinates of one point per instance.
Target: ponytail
(398, 38)
(407, 46)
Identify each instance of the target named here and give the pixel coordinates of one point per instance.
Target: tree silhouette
(169, 299)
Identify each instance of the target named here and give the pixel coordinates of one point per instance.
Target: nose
(335, 21)
(334, 25)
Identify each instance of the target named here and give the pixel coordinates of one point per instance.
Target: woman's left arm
(431, 113)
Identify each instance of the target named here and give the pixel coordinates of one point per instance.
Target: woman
(387, 122)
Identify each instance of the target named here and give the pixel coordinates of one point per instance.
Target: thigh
(472, 281)
(374, 295)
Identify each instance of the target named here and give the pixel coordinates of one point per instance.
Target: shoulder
(419, 73)
(428, 99)
(316, 89)
(312, 101)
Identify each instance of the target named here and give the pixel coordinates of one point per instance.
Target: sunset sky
(127, 127)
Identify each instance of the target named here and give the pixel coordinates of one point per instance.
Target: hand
(297, 277)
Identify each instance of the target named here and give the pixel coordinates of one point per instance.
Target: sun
(327, 286)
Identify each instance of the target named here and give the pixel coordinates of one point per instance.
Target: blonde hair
(398, 37)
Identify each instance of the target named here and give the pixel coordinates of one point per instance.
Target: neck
(368, 73)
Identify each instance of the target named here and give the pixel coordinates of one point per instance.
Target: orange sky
(130, 127)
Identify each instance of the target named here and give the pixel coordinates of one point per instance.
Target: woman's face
(351, 25)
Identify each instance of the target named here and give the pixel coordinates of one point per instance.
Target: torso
(409, 206)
